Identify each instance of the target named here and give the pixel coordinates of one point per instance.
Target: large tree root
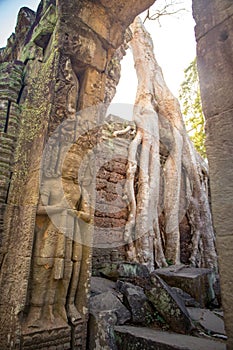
(159, 120)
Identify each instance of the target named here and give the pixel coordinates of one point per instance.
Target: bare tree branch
(168, 9)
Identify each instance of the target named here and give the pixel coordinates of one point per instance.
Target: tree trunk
(159, 122)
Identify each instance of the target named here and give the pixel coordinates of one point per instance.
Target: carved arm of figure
(83, 211)
(49, 209)
(44, 208)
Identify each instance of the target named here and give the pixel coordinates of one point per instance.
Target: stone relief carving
(58, 247)
(63, 202)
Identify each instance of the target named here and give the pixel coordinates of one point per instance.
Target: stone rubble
(125, 300)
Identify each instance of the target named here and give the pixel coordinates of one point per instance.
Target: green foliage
(169, 262)
(190, 99)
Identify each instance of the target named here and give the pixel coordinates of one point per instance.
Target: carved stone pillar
(214, 36)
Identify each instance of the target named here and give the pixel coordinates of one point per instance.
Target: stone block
(116, 166)
(83, 45)
(99, 24)
(108, 302)
(103, 184)
(112, 19)
(110, 211)
(220, 150)
(110, 198)
(3, 248)
(126, 11)
(14, 284)
(101, 331)
(216, 69)
(169, 305)
(209, 14)
(101, 285)
(3, 113)
(102, 257)
(137, 302)
(187, 299)
(8, 335)
(138, 338)
(21, 221)
(109, 238)
(4, 185)
(125, 271)
(225, 249)
(25, 188)
(45, 27)
(194, 281)
(78, 337)
(93, 89)
(207, 319)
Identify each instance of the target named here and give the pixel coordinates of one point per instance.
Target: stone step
(141, 338)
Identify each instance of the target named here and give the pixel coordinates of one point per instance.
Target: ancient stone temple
(57, 62)
(84, 193)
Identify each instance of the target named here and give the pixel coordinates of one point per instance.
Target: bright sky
(174, 45)
(8, 16)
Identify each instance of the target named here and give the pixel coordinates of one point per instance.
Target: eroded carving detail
(58, 248)
(58, 239)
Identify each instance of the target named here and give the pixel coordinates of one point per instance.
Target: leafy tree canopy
(190, 99)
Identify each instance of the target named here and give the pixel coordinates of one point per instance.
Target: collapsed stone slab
(144, 296)
(187, 299)
(198, 282)
(138, 338)
(169, 305)
(208, 320)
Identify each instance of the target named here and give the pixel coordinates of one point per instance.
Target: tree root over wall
(176, 188)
